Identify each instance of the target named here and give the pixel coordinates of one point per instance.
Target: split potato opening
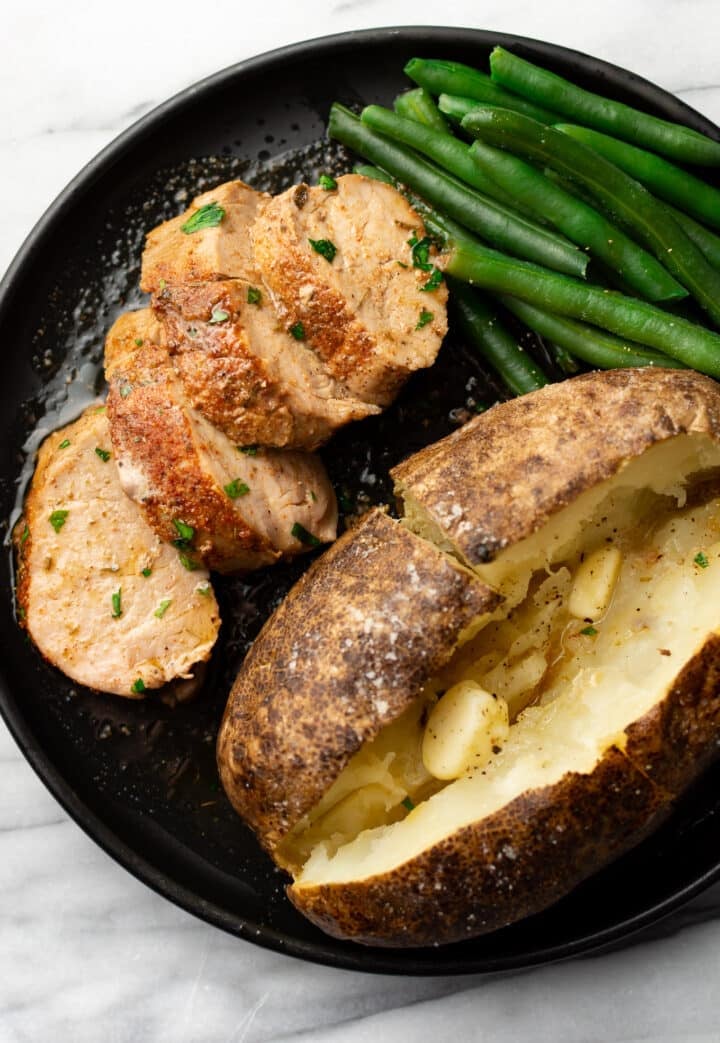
(602, 607)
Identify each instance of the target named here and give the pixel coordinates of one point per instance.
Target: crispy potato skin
(346, 652)
(498, 479)
(505, 867)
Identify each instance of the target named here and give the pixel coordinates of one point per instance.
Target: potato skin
(503, 868)
(501, 476)
(346, 652)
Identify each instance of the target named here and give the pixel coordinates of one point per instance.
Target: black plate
(138, 777)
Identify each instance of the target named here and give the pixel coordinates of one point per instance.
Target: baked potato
(454, 719)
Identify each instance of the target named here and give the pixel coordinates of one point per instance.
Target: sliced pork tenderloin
(103, 598)
(344, 277)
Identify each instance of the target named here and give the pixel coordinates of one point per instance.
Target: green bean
(622, 121)
(703, 238)
(366, 170)
(449, 153)
(443, 77)
(622, 196)
(627, 317)
(663, 178)
(455, 107)
(491, 220)
(588, 343)
(562, 358)
(418, 105)
(482, 327)
(579, 222)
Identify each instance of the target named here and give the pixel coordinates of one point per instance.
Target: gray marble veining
(87, 953)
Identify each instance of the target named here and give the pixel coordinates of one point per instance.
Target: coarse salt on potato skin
(345, 653)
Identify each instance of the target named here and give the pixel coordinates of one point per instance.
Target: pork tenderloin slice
(245, 373)
(103, 598)
(218, 247)
(359, 301)
(129, 332)
(242, 511)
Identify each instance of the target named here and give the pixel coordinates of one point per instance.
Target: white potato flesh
(594, 583)
(463, 730)
(600, 678)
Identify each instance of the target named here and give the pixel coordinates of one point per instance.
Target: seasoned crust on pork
(182, 470)
(216, 251)
(245, 373)
(362, 310)
(83, 596)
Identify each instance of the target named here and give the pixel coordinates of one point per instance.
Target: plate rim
(367, 960)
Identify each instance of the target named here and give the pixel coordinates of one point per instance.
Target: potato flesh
(597, 682)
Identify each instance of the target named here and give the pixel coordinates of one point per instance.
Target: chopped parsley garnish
(204, 591)
(162, 284)
(163, 607)
(325, 248)
(187, 563)
(297, 330)
(407, 803)
(425, 318)
(434, 281)
(327, 182)
(208, 216)
(217, 316)
(185, 533)
(147, 571)
(104, 454)
(313, 496)
(100, 409)
(58, 519)
(700, 559)
(402, 264)
(116, 600)
(125, 390)
(138, 342)
(25, 534)
(254, 295)
(588, 631)
(138, 686)
(64, 444)
(237, 487)
(299, 532)
(249, 450)
(421, 253)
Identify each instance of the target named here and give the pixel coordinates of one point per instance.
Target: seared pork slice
(129, 332)
(210, 240)
(103, 598)
(245, 373)
(231, 509)
(342, 275)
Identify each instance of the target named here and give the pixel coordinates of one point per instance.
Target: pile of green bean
(522, 200)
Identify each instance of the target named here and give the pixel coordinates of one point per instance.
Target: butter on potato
(464, 729)
(594, 583)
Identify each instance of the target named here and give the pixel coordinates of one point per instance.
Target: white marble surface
(86, 952)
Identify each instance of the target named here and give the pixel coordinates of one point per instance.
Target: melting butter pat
(463, 729)
(594, 583)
